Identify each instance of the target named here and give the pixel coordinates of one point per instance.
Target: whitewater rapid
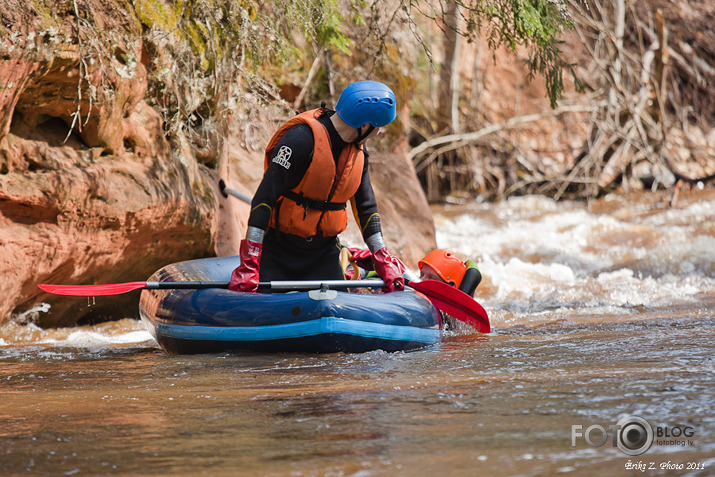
(539, 256)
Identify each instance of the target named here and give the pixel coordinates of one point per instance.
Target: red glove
(362, 257)
(390, 270)
(245, 277)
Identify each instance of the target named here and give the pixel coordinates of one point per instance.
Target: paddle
(280, 285)
(446, 298)
(226, 190)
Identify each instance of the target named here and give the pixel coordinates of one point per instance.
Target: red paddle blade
(93, 290)
(454, 302)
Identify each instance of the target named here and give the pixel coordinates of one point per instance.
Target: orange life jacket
(317, 205)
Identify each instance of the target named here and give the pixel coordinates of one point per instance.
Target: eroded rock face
(91, 190)
(70, 215)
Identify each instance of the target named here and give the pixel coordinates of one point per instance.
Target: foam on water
(122, 333)
(537, 255)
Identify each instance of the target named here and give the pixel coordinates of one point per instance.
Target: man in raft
(444, 265)
(440, 264)
(314, 164)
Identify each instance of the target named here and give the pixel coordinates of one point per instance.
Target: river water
(602, 313)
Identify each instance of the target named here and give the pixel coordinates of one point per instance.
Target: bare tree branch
(460, 140)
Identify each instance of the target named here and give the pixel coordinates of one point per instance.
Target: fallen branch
(460, 140)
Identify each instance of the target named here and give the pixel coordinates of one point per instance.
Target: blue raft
(216, 319)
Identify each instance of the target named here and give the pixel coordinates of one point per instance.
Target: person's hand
(362, 257)
(390, 269)
(245, 277)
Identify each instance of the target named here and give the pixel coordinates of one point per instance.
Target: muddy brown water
(598, 316)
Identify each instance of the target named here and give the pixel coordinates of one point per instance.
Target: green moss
(177, 18)
(155, 13)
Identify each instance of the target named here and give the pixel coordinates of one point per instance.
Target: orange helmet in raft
(450, 268)
(447, 265)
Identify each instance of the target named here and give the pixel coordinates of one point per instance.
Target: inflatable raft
(315, 321)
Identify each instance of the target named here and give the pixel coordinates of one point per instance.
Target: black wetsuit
(290, 257)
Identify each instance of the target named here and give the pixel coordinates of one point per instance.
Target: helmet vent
(366, 102)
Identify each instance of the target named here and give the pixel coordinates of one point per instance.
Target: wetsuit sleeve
(365, 204)
(290, 160)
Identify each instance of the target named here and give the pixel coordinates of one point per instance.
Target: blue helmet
(367, 102)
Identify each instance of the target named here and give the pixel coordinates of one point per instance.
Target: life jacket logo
(283, 157)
